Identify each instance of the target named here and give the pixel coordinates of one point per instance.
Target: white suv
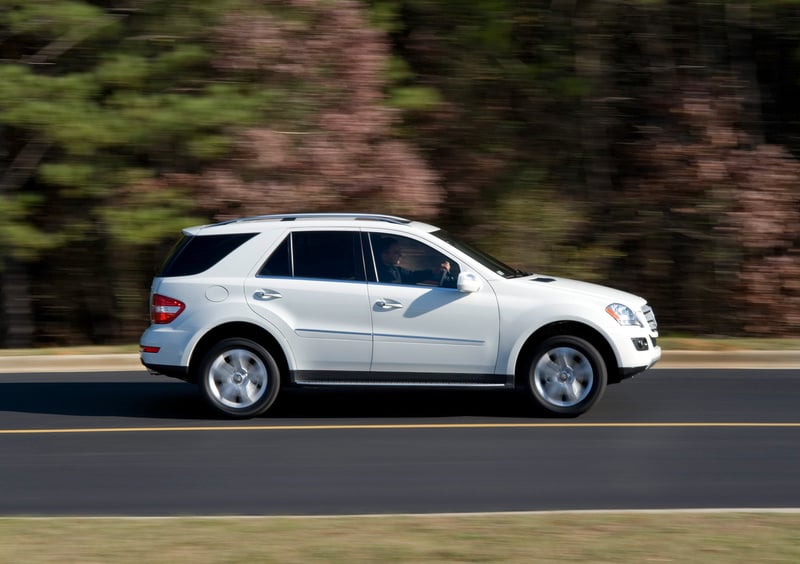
(245, 307)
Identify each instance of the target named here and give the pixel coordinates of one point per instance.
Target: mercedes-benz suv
(246, 307)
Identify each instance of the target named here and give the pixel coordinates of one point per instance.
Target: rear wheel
(565, 376)
(239, 378)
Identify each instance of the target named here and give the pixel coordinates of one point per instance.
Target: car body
(245, 307)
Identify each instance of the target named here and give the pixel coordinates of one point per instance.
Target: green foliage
(70, 174)
(208, 147)
(144, 98)
(151, 217)
(174, 121)
(179, 59)
(385, 15)
(97, 107)
(64, 19)
(534, 227)
(18, 237)
(414, 97)
(122, 71)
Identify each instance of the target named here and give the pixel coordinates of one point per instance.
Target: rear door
(313, 289)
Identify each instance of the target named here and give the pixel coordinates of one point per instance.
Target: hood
(603, 294)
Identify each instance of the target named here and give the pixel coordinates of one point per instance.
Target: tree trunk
(17, 306)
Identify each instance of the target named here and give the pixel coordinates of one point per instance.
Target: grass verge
(673, 343)
(556, 537)
(87, 349)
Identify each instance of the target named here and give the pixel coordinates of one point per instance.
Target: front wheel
(239, 378)
(565, 376)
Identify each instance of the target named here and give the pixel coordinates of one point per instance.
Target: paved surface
(127, 443)
(670, 359)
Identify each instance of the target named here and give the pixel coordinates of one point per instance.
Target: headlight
(623, 314)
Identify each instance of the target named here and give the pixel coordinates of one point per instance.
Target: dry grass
(561, 537)
(88, 349)
(727, 344)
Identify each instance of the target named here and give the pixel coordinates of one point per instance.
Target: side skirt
(398, 379)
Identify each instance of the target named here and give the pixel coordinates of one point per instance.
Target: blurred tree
(98, 100)
(692, 189)
(619, 140)
(651, 145)
(507, 136)
(123, 122)
(330, 146)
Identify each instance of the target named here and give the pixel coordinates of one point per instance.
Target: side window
(333, 255)
(280, 261)
(196, 254)
(400, 260)
(328, 254)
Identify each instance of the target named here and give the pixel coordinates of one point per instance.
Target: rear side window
(331, 255)
(195, 254)
(280, 262)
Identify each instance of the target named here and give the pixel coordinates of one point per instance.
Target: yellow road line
(401, 426)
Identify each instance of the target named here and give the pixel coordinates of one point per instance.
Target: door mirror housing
(468, 282)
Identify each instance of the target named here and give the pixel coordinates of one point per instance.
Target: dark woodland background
(650, 145)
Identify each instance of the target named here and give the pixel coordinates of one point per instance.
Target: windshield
(486, 260)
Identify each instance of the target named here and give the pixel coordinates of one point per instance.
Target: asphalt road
(126, 443)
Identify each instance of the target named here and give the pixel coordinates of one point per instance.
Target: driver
(390, 271)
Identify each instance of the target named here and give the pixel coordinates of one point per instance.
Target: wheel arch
(574, 329)
(242, 330)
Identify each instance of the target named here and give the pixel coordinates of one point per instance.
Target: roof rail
(295, 216)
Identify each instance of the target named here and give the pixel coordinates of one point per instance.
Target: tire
(565, 376)
(239, 378)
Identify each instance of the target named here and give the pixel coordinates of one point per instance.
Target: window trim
(291, 254)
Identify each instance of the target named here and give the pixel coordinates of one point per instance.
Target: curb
(760, 360)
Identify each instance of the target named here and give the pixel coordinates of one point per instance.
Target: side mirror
(468, 282)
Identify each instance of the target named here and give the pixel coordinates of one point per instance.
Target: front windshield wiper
(519, 273)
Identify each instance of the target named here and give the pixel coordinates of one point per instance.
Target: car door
(313, 289)
(422, 323)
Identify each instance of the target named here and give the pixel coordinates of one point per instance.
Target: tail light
(164, 309)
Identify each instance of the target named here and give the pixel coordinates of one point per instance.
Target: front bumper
(639, 360)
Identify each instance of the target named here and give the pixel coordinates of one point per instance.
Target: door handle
(267, 295)
(383, 303)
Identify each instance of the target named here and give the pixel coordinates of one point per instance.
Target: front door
(421, 322)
